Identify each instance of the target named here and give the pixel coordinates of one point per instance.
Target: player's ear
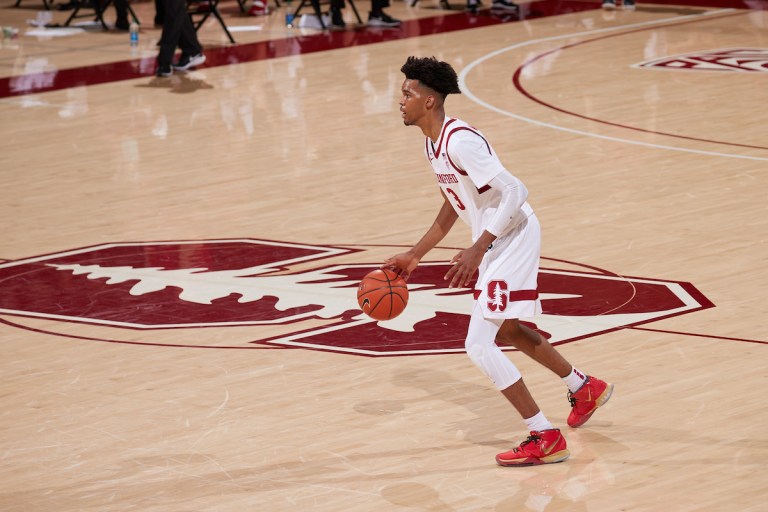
(430, 101)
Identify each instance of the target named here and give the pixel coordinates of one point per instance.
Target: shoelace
(531, 439)
(572, 399)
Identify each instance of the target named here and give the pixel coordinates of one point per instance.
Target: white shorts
(507, 285)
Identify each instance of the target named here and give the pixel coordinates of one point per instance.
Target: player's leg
(533, 344)
(585, 393)
(545, 443)
(176, 17)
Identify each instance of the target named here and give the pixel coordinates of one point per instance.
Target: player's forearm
(428, 241)
(484, 241)
(513, 195)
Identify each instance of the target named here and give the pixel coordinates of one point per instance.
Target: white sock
(574, 380)
(538, 422)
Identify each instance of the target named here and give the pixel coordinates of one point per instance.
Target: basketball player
(507, 241)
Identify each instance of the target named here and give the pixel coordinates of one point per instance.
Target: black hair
(437, 75)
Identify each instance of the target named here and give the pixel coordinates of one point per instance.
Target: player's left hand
(465, 265)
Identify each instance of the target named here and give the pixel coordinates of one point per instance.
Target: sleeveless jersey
(464, 163)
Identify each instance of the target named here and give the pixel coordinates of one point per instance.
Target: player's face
(412, 102)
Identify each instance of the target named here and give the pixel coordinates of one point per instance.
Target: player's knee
(492, 362)
(478, 348)
(474, 348)
(505, 340)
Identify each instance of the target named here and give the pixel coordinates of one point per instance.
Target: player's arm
(407, 261)
(513, 196)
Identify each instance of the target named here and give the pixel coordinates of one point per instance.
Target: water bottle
(134, 33)
(288, 14)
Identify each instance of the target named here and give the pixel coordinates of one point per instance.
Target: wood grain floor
(659, 174)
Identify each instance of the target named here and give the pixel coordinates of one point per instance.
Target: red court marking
(517, 81)
(144, 343)
(697, 335)
(53, 295)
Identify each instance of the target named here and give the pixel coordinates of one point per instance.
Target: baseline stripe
(728, 338)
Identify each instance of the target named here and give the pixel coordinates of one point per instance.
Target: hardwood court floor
(179, 258)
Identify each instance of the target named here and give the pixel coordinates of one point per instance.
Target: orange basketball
(382, 294)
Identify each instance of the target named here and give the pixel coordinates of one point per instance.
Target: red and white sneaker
(592, 394)
(542, 447)
(259, 8)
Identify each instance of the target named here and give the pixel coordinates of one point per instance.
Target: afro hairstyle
(437, 75)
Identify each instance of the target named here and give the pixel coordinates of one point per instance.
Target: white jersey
(464, 163)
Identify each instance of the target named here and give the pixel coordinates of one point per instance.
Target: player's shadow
(414, 495)
(483, 402)
(179, 83)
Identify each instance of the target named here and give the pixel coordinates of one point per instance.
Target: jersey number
(459, 204)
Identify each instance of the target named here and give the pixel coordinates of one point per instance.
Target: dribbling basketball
(382, 294)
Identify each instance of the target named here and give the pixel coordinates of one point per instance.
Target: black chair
(201, 10)
(316, 6)
(443, 3)
(46, 4)
(99, 7)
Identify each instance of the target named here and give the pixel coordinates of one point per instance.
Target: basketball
(382, 294)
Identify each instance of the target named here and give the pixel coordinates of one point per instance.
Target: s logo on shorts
(497, 295)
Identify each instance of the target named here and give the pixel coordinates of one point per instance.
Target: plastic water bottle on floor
(288, 14)
(134, 33)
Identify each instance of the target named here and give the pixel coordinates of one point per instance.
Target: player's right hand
(402, 264)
